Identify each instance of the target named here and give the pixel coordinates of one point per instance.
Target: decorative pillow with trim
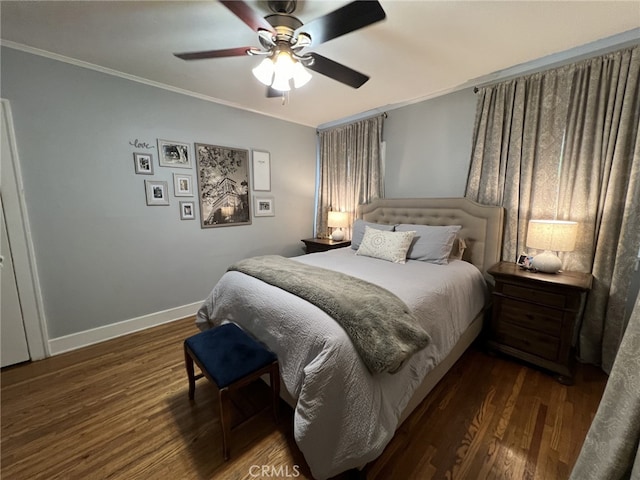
(390, 246)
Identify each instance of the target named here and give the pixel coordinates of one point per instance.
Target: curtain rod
(384, 114)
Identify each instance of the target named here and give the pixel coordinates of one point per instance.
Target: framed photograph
(524, 261)
(261, 171)
(143, 163)
(187, 210)
(174, 154)
(223, 185)
(263, 207)
(182, 185)
(157, 192)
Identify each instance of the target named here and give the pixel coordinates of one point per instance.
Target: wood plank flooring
(119, 410)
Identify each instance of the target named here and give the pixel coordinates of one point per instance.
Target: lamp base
(546, 262)
(337, 235)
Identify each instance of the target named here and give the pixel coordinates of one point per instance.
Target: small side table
(534, 316)
(313, 245)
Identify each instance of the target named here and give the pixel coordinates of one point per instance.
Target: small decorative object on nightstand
(314, 245)
(534, 315)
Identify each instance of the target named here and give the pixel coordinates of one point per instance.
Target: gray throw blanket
(381, 327)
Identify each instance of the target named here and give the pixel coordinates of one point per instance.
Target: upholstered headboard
(482, 225)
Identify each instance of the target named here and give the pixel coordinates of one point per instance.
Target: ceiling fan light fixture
(281, 82)
(300, 75)
(264, 71)
(284, 64)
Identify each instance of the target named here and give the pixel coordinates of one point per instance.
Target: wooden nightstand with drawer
(314, 245)
(534, 316)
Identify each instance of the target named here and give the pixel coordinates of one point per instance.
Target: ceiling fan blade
(345, 19)
(228, 52)
(249, 16)
(337, 71)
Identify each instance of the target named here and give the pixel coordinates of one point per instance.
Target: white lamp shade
(553, 235)
(281, 83)
(300, 75)
(264, 71)
(338, 220)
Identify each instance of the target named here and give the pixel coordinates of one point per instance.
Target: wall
(102, 255)
(428, 147)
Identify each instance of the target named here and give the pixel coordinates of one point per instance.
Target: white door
(21, 320)
(13, 348)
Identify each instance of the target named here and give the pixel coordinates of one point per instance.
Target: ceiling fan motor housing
(282, 6)
(285, 25)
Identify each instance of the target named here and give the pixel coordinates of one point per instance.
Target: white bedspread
(344, 416)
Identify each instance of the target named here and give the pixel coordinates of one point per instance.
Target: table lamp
(550, 236)
(338, 220)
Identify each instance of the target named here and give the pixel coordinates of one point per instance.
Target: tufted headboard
(482, 225)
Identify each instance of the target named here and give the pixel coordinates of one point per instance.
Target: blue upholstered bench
(230, 359)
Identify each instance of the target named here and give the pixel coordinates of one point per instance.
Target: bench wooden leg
(188, 362)
(225, 420)
(274, 379)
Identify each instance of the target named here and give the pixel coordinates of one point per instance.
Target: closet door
(13, 348)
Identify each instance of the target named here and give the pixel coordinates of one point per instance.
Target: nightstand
(313, 245)
(534, 315)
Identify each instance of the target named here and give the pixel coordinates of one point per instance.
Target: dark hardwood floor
(119, 410)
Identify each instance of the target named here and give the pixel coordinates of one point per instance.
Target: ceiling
(421, 50)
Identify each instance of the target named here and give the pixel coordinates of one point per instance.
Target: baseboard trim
(74, 341)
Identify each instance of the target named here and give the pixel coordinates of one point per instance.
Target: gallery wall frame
(157, 192)
(261, 163)
(174, 154)
(143, 163)
(223, 185)
(182, 185)
(263, 206)
(187, 210)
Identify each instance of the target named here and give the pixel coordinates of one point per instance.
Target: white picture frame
(157, 192)
(263, 206)
(174, 154)
(187, 210)
(182, 185)
(143, 163)
(261, 170)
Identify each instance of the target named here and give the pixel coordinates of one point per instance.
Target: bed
(345, 415)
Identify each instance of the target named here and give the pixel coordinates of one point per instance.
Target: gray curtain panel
(565, 144)
(350, 169)
(516, 151)
(600, 186)
(610, 450)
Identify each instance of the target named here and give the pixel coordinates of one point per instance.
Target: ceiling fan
(283, 39)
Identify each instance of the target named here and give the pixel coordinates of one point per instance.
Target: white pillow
(432, 243)
(357, 231)
(390, 246)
